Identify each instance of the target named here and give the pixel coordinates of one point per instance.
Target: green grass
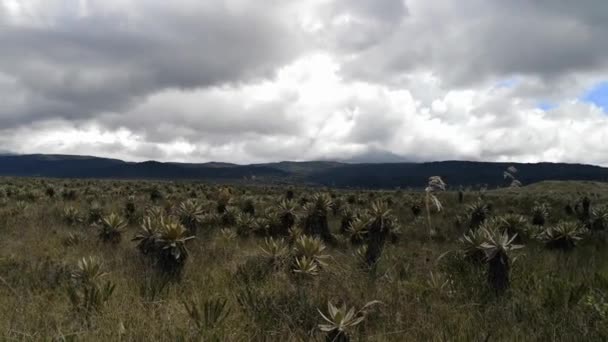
(567, 188)
(553, 295)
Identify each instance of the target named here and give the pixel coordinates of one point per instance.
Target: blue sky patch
(598, 95)
(546, 106)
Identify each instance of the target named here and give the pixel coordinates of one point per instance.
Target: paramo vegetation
(95, 260)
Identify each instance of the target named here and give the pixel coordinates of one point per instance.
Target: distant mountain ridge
(322, 173)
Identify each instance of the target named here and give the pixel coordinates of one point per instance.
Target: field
(163, 261)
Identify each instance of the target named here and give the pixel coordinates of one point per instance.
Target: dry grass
(553, 295)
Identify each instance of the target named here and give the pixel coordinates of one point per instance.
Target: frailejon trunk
(498, 272)
(376, 240)
(337, 336)
(316, 225)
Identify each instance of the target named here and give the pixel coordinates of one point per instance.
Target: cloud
(472, 42)
(75, 65)
(245, 81)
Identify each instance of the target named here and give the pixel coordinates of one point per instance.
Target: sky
(250, 81)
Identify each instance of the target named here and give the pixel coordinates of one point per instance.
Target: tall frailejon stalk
(130, 210)
(348, 216)
(287, 216)
(172, 251)
(582, 209)
(497, 247)
(435, 185)
(510, 175)
(315, 218)
(224, 198)
(380, 224)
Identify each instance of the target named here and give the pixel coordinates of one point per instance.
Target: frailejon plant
(380, 225)
(563, 236)
(21, 208)
(276, 250)
(111, 228)
(190, 214)
(582, 209)
(224, 199)
(130, 209)
(87, 292)
(514, 225)
(165, 241)
(294, 234)
(540, 213)
(228, 217)
(435, 185)
(208, 317)
(497, 246)
(347, 217)
(341, 321)
(472, 245)
(287, 216)
(477, 213)
(312, 248)
(50, 192)
(599, 218)
(249, 206)
(95, 212)
(71, 215)
(305, 267)
(245, 224)
(72, 239)
(315, 217)
(227, 235)
(155, 195)
(358, 230)
(147, 235)
(440, 284)
(88, 270)
(155, 213)
(171, 247)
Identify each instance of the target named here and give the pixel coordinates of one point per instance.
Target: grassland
(428, 286)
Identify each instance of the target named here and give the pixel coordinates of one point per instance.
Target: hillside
(463, 173)
(92, 167)
(559, 188)
(323, 173)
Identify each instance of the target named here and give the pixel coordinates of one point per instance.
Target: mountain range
(321, 173)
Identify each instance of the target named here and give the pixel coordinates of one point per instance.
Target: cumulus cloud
(470, 42)
(241, 81)
(75, 63)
